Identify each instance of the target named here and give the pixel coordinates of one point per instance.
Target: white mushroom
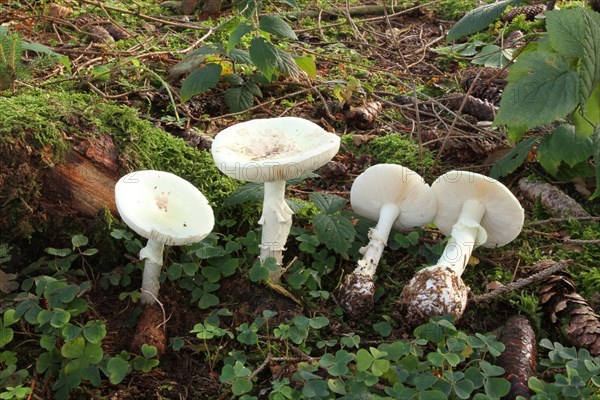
(271, 151)
(394, 196)
(475, 210)
(166, 210)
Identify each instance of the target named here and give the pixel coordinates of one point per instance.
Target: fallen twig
(523, 282)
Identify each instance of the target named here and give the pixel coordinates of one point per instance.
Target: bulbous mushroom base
(434, 291)
(356, 294)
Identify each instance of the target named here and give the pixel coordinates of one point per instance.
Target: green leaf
(59, 318)
(566, 31)
(425, 381)
(489, 369)
(208, 300)
(6, 336)
(240, 56)
(79, 240)
(364, 360)
(117, 369)
(464, 388)
(514, 159)
(264, 55)
(200, 81)
(249, 192)
(384, 328)
(541, 89)
(493, 56)
(328, 203)
(477, 19)
(237, 34)
(589, 76)
(335, 231)
(259, 271)
(277, 26)
(572, 148)
(94, 331)
(289, 2)
(241, 386)
(336, 386)
(496, 387)
(238, 98)
(286, 64)
(39, 48)
(308, 65)
(596, 142)
(74, 348)
(57, 252)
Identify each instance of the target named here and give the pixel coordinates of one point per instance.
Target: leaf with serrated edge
(200, 81)
(237, 34)
(307, 64)
(514, 159)
(238, 98)
(286, 64)
(545, 90)
(277, 26)
(589, 76)
(336, 232)
(328, 203)
(264, 55)
(477, 19)
(565, 31)
(571, 148)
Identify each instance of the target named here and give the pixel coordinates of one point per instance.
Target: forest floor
(383, 83)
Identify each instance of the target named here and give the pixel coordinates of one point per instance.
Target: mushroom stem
(276, 220)
(378, 237)
(467, 234)
(153, 254)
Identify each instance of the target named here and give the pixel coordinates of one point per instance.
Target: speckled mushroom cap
(391, 183)
(162, 206)
(503, 218)
(275, 149)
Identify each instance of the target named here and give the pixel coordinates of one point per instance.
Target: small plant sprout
(474, 210)
(394, 196)
(270, 151)
(166, 210)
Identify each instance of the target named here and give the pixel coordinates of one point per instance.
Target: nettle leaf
(335, 231)
(589, 76)
(328, 203)
(541, 89)
(566, 31)
(264, 55)
(514, 159)
(201, 80)
(277, 26)
(307, 64)
(477, 19)
(241, 30)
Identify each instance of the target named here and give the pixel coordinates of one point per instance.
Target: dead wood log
(555, 200)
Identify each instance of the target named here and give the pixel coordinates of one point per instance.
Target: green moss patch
(38, 130)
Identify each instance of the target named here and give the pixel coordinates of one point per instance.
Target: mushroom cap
(273, 149)
(162, 206)
(503, 218)
(391, 183)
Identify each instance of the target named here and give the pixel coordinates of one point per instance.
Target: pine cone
(489, 85)
(580, 324)
(519, 356)
(529, 11)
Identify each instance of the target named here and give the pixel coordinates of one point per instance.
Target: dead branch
(554, 199)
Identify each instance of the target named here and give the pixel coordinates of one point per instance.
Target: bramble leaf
(477, 19)
(277, 26)
(264, 55)
(200, 81)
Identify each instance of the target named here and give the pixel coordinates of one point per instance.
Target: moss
(396, 148)
(42, 136)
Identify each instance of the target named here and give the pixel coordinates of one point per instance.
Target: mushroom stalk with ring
(276, 221)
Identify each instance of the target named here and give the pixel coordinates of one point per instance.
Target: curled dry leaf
(7, 282)
(58, 11)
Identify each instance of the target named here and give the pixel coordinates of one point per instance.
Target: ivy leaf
(514, 159)
(335, 231)
(541, 89)
(264, 55)
(477, 19)
(277, 26)
(589, 76)
(566, 31)
(200, 81)
(328, 203)
(237, 34)
(307, 64)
